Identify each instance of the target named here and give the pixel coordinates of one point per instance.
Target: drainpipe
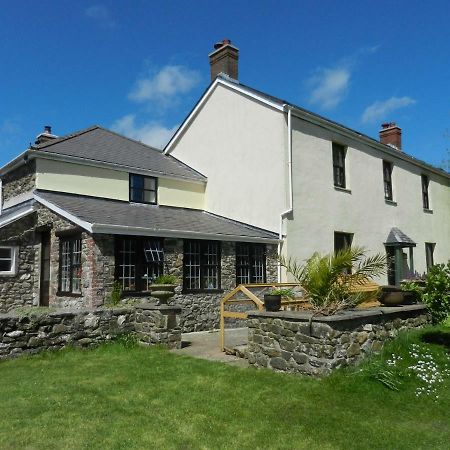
(290, 188)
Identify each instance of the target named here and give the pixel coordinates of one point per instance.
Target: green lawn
(119, 396)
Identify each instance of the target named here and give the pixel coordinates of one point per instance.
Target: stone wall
(289, 342)
(29, 334)
(19, 181)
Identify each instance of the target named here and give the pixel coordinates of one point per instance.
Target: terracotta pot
(272, 302)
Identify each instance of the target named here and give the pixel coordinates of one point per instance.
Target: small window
(339, 153)
(70, 266)
(201, 266)
(250, 263)
(387, 177)
(139, 261)
(425, 196)
(8, 261)
(429, 254)
(342, 240)
(143, 189)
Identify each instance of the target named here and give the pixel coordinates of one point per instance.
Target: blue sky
(139, 66)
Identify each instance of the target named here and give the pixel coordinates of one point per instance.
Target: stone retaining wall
(38, 331)
(291, 342)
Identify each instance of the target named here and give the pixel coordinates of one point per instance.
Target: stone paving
(205, 345)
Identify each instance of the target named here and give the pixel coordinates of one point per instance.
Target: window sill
(8, 274)
(341, 189)
(68, 294)
(202, 291)
(427, 211)
(390, 202)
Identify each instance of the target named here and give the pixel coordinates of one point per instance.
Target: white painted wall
(112, 184)
(240, 146)
(320, 209)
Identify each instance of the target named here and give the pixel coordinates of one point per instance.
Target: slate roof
(102, 145)
(396, 237)
(133, 218)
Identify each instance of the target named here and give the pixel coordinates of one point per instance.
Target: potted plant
(163, 288)
(391, 296)
(272, 300)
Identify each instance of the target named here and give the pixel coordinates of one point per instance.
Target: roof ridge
(64, 138)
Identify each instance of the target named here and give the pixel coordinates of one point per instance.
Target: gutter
(284, 214)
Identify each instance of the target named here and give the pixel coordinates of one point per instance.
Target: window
(387, 177)
(70, 265)
(429, 254)
(143, 189)
(8, 261)
(339, 165)
(250, 263)
(201, 265)
(342, 240)
(425, 196)
(139, 261)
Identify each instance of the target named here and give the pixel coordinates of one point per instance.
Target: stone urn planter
(392, 296)
(162, 292)
(272, 302)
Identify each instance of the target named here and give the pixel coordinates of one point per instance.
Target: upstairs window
(143, 189)
(201, 266)
(139, 261)
(70, 265)
(339, 153)
(250, 263)
(387, 177)
(425, 196)
(429, 254)
(8, 261)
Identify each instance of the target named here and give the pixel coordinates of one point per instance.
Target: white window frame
(14, 261)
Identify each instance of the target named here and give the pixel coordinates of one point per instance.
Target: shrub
(331, 281)
(283, 292)
(116, 294)
(166, 279)
(437, 292)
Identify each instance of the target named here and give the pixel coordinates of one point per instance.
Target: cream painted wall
(320, 209)
(81, 179)
(240, 145)
(113, 184)
(181, 193)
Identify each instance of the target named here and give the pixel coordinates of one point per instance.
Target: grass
(121, 396)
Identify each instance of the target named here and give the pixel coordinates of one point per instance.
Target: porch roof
(103, 216)
(397, 238)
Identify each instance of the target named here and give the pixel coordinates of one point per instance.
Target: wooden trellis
(254, 294)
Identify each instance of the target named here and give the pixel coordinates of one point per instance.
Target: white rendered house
(317, 183)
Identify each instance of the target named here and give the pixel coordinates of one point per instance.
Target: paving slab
(205, 345)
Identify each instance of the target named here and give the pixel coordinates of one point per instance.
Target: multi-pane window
(339, 165)
(250, 263)
(425, 195)
(387, 177)
(70, 265)
(7, 260)
(139, 261)
(429, 254)
(201, 265)
(342, 240)
(143, 189)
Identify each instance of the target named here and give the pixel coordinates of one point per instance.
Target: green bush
(116, 294)
(437, 292)
(166, 279)
(283, 292)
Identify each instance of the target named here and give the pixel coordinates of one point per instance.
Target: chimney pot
(45, 136)
(224, 59)
(48, 129)
(391, 134)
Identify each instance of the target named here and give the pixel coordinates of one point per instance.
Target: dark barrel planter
(392, 296)
(272, 302)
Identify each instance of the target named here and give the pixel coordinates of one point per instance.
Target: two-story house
(82, 211)
(315, 182)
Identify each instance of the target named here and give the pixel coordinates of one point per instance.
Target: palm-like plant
(331, 281)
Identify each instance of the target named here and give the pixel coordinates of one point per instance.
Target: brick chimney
(45, 136)
(391, 134)
(224, 59)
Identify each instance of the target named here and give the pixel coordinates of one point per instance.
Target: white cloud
(152, 133)
(379, 110)
(164, 86)
(102, 15)
(329, 86)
